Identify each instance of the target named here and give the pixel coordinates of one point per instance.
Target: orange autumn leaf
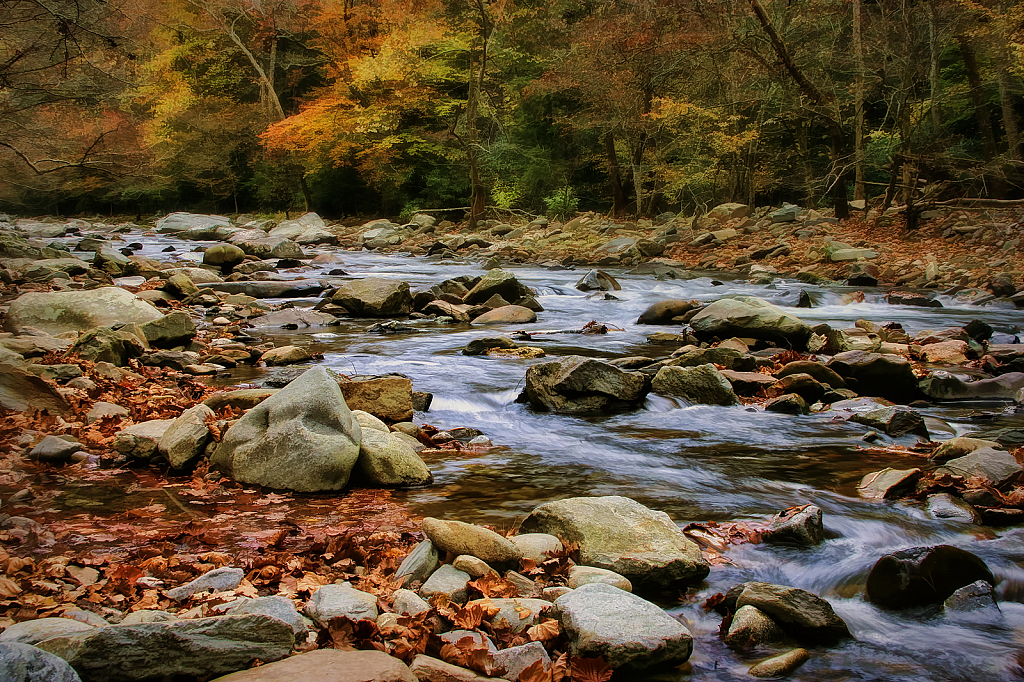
(544, 631)
(591, 670)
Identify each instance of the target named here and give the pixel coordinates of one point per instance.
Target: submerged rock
(923, 576)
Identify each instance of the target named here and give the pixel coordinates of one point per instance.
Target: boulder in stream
(923, 576)
(374, 297)
(63, 311)
(577, 384)
(701, 385)
(943, 385)
(666, 312)
(801, 614)
(750, 317)
(622, 535)
(302, 438)
(500, 282)
(877, 374)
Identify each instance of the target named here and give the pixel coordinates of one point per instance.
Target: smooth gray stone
(217, 580)
(26, 663)
(331, 601)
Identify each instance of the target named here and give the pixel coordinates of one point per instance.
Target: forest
(388, 107)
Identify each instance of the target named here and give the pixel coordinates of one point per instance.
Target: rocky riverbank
(102, 366)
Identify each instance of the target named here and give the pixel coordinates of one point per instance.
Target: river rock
(421, 562)
(888, 483)
(388, 397)
(292, 288)
(942, 385)
(285, 355)
(386, 460)
(374, 297)
(180, 285)
(103, 344)
(801, 614)
(701, 385)
(217, 580)
(427, 669)
(301, 438)
(465, 538)
(820, 372)
(802, 527)
(577, 384)
(498, 282)
(783, 664)
(26, 663)
(59, 312)
(597, 280)
(223, 255)
(242, 399)
(747, 383)
(54, 450)
(484, 344)
(332, 601)
(368, 421)
(585, 575)
(173, 329)
(290, 229)
(186, 438)
(275, 606)
(997, 467)
(270, 247)
(537, 546)
(177, 222)
(141, 441)
(922, 576)
(945, 353)
(788, 403)
(508, 314)
(475, 567)
(876, 374)
(517, 614)
(21, 390)
(622, 535)
(449, 581)
(977, 596)
(665, 312)
(328, 665)
(408, 603)
(895, 421)
(197, 647)
(959, 446)
(516, 659)
(39, 629)
(750, 317)
(945, 506)
(196, 275)
(456, 311)
(804, 385)
(622, 628)
(750, 627)
(300, 317)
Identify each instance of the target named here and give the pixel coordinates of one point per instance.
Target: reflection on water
(696, 463)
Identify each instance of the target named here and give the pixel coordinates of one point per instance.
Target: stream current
(697, 463)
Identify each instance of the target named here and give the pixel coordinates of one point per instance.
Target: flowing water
(696, 463)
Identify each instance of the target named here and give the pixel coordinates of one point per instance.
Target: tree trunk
(477, 201)
(859, 191)
(614, 177)
(981, 112)
(933, 71)
(1006, 101)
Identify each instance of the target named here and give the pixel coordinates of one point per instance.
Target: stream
(701, 463)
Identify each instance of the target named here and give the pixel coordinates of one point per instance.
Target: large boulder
(876, 374)
(994, 466)
(702, 385)
(177, 222)
(942, 385)
(103, 344)
(328, 665)
(387, 460)
(498, 282)
(173, 329)
(801, 614)
(270, 247)
(664, 312)
(223, 255)
(750, 317)
(292, 229)
(374, 297)
(64, 311)
(507, 314)
(21, 390)
(194, 648)
(303, 438)
(623, 629)
(26, 663)
(576, 384)
(624, 536)
(923, 576)
(387, 397)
